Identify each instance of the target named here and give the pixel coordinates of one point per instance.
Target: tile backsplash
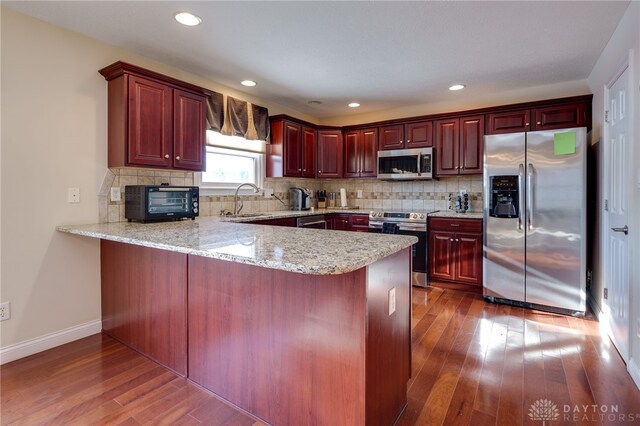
(376, 194)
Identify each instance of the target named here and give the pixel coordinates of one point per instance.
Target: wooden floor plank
(473, 362)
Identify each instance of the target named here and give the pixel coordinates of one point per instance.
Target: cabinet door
(329, 153)
(468, 256)
(369, 153)
(352, 153)
(391, 137)
(558, 117)
(188, 130)
(509, 122)
(292, 149)
(150, 115)
(441, 255)
(419, 135)
(471, 145)
(308, 152)
(341, 222)
(447, 147)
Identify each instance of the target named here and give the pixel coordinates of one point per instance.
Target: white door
(617, 142)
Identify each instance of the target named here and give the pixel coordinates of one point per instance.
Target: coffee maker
(299, 199)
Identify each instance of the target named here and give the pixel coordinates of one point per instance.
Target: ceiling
(383, 55)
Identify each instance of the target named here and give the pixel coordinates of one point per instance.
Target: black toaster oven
(147, 203)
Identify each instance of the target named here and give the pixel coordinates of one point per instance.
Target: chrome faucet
(236, 209)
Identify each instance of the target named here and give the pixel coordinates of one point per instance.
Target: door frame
(626, 65)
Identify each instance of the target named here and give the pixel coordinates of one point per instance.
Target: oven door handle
(302, 225)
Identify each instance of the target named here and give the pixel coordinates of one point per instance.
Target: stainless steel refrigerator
(535, 218)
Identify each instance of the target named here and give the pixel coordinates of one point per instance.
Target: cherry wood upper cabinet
(410, 135)
(447, 147)
(188, 137)
(543, 118)
(308, 152)
(361, 153)
(459, 146)
(329, 153)
(419, 135)
(292, 151)
(471, 145)
(154, 120)
(391, 137)
(509, 122)
(150, 118)
(560, 116)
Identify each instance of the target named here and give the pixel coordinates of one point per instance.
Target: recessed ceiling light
(188, 19)
(248, 83)
(354, 105)
(314, 103)
(457, 87)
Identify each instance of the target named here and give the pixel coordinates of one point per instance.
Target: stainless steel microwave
(406, 164)
(148, 203)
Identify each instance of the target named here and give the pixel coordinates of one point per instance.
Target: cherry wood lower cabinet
(288, 348)
(455, 253)
(144, 301)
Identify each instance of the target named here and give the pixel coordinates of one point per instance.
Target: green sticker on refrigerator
(564, 143)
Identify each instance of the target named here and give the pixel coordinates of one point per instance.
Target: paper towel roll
(343, 197)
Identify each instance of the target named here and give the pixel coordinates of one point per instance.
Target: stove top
(391, 216)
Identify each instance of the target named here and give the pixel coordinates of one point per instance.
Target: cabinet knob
(408, 140)
(299, 170)
(526, 124)
(304, 170)
(539, 123)
(319, 171)
(178, 158)
(166, 156)
(450, 239)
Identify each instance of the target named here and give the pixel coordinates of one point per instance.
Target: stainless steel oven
(403, 223)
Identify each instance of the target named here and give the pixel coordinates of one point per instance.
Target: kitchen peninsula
(295, 326)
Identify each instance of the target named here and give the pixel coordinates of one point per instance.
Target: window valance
(234, 117)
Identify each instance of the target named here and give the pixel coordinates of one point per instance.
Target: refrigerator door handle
(530, 196)
(520, 194)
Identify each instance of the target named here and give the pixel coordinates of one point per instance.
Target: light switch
(73, 195)
(359, 193)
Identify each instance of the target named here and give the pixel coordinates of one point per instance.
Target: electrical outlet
(5, 311)
(116, 195)
(267, 192)
(392, 301)
(359, 192)
(638, 327)
(73, 195)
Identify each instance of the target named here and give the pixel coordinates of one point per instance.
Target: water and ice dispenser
(505, 197)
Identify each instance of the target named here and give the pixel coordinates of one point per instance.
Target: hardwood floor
(473, 363)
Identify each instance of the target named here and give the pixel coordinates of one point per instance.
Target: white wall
(625, 41)
(460, 102)
(54, 136)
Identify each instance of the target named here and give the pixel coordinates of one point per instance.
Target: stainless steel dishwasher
(316, 221)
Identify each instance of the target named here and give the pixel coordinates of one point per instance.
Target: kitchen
(52, 279)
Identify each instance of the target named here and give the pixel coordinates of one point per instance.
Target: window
(231, 161)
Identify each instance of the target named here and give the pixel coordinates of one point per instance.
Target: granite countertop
(288, 213)
(308, 251)
(453, 214)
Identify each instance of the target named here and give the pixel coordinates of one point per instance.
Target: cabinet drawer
(455, 225)
(359, 220)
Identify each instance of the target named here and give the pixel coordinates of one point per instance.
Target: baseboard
(48, 341)
(634, 371)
